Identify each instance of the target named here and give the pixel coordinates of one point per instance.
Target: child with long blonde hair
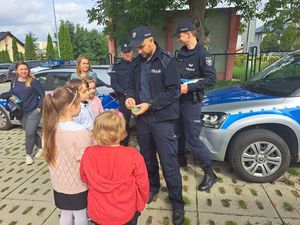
(64, 143)
(116, 175)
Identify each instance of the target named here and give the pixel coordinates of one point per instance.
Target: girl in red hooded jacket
(116, 175)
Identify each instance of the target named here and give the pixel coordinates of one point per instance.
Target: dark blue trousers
(159, 137)
(189, 129)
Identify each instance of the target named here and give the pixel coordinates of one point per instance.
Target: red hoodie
(118, 183)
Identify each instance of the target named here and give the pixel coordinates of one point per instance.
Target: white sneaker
(39, 153)
(29, 160)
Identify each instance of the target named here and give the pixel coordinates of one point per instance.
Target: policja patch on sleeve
(209, 61)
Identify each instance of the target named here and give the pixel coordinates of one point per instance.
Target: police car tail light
(213, 120)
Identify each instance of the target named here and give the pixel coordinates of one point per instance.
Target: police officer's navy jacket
(194, 64)
(164, 85)
(120, 76)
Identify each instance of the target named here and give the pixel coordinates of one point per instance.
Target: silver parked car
(53, 78)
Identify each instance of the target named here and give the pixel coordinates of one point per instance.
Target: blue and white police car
(53, 78)
(256, 126)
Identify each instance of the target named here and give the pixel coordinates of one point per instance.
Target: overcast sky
(23, 16)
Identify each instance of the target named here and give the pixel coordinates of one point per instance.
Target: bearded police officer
(153, 96)
(119, 79)
(197, 71)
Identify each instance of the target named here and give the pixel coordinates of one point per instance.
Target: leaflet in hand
(190, 81)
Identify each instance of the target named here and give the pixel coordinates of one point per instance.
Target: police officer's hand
(184, 88)
(143, 107)
(130, 103)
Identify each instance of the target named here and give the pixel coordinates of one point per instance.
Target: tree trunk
(197, 12)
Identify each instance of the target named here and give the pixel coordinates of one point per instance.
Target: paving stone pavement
(26, 196)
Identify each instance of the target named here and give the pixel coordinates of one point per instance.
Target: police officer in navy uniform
(153, 96)
(197, 71)
(119, 79)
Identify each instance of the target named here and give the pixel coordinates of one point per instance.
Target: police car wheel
(5, 123)
(259, 155)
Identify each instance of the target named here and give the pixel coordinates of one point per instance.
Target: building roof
(6, 33)
(259, 29)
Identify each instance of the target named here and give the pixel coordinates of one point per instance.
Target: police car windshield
(280, 79)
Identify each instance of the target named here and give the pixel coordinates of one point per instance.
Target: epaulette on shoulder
(166, 53)
(118, 61)
(165, 57)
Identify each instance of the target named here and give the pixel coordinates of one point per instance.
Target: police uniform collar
(157, 52)
(185, 51)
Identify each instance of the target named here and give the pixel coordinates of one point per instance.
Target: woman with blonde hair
(83, 69)
(31, 94)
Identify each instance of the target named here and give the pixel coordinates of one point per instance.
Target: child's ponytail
(50, 120)
(54, 107)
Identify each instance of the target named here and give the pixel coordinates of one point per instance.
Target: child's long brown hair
(54, 107)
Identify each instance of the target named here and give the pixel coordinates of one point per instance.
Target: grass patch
(242, 204)
(186, 200)
(222, 190)
(278, 193)
(288, 207)
(295, 193)
(219, 179)
(217, 170)
(185, 178)
(208, 202)
(238, 190)
(185, 188)
(211, 222)
(239, 72)
(166, 220)
(259, 205)
(293, 171)
(230, 222)
(226, 203)
(164, 189)
(27, 210)
(149, 220)
(253, 192)
(187, 221)
(248, 223)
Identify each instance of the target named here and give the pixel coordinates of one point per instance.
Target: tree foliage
(4, 56)
(65, 44)
(16, 54)
(50, 53)
(30, 46)
(121, 16)
(288, 37)
(90, 43)
(278, 13)
(270, 42)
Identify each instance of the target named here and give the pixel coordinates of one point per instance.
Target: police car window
(280, 79)
(42, 77)
(59, 79)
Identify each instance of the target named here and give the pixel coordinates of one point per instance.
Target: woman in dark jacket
(31, 93)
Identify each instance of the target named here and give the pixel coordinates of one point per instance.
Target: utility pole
(58, 47)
